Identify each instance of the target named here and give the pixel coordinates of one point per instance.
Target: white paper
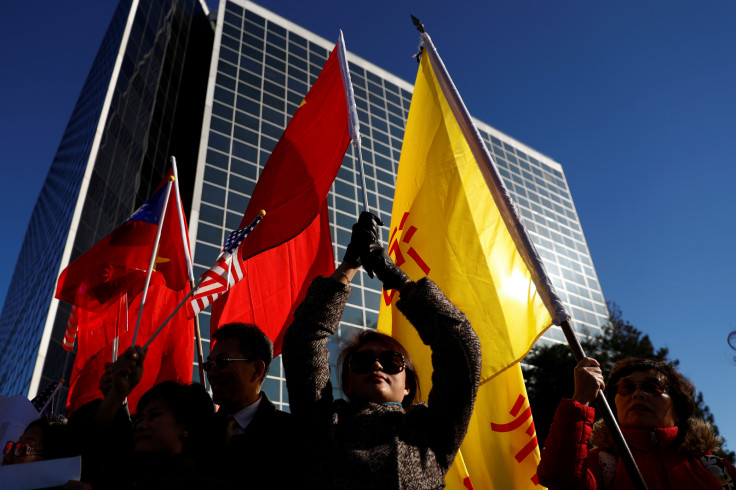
(41, 474)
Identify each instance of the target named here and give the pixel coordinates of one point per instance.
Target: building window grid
(373, 179)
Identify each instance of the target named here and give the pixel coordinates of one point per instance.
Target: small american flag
(43, 402)
(224, 274)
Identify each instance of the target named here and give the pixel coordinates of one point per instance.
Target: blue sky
(635, 99)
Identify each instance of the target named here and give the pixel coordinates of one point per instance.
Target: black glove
(378, 261)
(365, 232)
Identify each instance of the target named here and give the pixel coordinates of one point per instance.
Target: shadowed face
(642, 401)
(157, 430)
(370, 380)
(29, 448)
(236, 384)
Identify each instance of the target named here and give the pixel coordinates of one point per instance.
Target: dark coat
(369, 445)
(261, 457)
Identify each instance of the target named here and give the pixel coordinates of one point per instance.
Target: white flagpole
(123, 300)
(50, 399)
(353, 121)
(151, 263)
(190, 270)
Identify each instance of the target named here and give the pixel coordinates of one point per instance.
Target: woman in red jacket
(653, 404)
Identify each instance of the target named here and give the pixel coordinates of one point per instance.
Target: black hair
(192, 408)
(253, 343)
(57, 438)
(367, 336)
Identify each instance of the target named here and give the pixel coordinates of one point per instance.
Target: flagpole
(255, 222)
(178, 307)
(522, 240)
(353, 121)
(123, 299)
(190, 271)
(51, 397)
(151, 263)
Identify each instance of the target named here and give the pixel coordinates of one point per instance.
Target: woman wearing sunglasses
(380, 437)
(654, 406)
(45, 438)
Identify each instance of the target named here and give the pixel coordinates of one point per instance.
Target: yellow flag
(446, 225)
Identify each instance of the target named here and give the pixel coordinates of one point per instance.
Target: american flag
(43, 402)
(72, 326)
(224, 274)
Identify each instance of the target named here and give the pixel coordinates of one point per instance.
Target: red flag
(293, 243)
(169, 357)
(275, 281)
(105, 286)
(118, 263)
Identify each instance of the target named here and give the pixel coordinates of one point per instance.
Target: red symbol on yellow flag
(394, 249)
(515, 424)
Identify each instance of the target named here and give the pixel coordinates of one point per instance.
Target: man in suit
(258, 437)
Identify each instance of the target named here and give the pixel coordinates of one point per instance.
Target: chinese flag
(446, 225)
(292, 245)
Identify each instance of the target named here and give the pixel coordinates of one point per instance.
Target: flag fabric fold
(169, 358)
(282, 256)
(447, 225)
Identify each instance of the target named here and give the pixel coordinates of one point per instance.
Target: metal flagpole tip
(263, 212)
(171, 178)
(419, 25)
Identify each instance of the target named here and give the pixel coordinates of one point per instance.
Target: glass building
(260, 67)
(113, 153)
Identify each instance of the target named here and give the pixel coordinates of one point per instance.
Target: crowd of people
(380, 436)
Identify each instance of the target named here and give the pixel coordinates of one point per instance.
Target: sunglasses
(362, 362)
(648, 388)
(20, 448)
(220, 363)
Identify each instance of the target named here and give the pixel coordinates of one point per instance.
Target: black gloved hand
(365, 232)
(378, 260)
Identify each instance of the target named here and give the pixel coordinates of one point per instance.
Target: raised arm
(455, 348)
(305, 355)
(456, 361)
(565, 462)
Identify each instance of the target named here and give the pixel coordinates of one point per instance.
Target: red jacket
(568, 463)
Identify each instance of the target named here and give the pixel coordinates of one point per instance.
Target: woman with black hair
(45, 438)
(167, 444)
(380, 437)
(654, 406)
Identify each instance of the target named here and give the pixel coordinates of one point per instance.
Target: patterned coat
(368, 445)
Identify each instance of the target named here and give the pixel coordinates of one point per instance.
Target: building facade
(129, 116)
(260, 67)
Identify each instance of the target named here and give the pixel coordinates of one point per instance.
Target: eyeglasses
(362, 362)
(220, 363)
(648, 388)
(20, 448)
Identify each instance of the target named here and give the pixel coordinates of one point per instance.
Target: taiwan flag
(119, 262)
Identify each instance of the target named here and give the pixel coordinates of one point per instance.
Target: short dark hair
(192, 408)
(253, 343)
(367, 336)
(57, 436)
(679, 388)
